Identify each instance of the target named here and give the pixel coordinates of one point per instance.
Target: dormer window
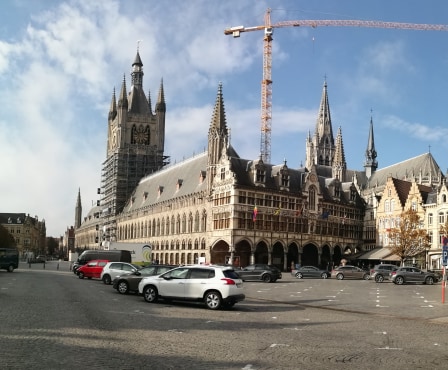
(285, 180)
(179, 184)
(260, 175)
(145, 195)
(352, 195)
(160, 191)
(337, 191)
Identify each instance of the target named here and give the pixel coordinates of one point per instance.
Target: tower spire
(370, 164)
(160, 105)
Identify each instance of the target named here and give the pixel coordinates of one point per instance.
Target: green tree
(52, 245)
(408, 239)
(6, 239)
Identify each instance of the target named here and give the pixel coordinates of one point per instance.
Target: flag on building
(325, 215)
(277, 211)
(254, 214)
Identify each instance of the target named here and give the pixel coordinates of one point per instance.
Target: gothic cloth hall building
(226, 209)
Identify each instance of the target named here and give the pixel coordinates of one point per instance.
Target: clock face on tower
(140, 136)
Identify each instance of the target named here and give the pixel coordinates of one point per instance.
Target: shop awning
(376, 254)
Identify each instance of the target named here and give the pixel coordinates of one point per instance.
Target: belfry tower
(135, 146)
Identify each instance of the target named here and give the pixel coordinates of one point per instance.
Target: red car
(91, 269)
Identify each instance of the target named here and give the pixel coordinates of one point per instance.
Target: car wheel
(213, 300)
(324, 275)
(340, 276)
(81, 275)
(267, 278)
(123, 287)
(399, 280)
(107, 280)
(429, 280)
(150, 294)
(366, 277)
(379, 278)
(299, 275)
(10, 268)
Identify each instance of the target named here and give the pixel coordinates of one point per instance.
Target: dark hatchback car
(129, 282)
(260, 272)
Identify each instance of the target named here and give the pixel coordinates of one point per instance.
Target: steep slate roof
(405, 170)
(171, 182)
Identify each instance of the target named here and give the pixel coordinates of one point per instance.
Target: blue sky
(60, 61)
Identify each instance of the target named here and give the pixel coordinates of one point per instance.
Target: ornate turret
(339, 164)
(78, 210)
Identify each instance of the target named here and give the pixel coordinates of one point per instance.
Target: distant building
(221, 208)
(28, 232)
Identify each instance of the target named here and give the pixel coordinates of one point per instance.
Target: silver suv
(114, 269)
(412, 275)
(216, 286)
(381, 272)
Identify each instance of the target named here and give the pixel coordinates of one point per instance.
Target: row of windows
(442, 218)
(169, 226)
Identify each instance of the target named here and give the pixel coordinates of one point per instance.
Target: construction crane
(266, 83)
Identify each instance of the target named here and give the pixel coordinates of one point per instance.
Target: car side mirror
(138, 273)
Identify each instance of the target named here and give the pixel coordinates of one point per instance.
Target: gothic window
(223, 173)
(444, 198)
(184, 223)
(392, 205)
(196, 221)
(429, 218)
(204, 222)
(441, 218)
(387, 206)
(190, 223)
(312, 199)
(173, 225)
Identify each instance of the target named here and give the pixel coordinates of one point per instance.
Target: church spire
(323, 124)
(160, 105)
(123, 99)
(113, 107)
(219, 115)
(78, 210)
(137, 71)
(370, 164)
(218, 136)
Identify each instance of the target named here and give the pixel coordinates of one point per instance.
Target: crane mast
(266, 83)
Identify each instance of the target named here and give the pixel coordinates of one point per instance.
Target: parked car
(349, 272)
(41, 259)
(310, 272)
(91, 269)
(382, 271)
(129, 282)
(216, 286)
(114, 269)
(260, 272)
(409, 274)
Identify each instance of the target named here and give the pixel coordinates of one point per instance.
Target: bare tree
(408, 239)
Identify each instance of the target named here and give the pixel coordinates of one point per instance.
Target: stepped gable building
(221, 208)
